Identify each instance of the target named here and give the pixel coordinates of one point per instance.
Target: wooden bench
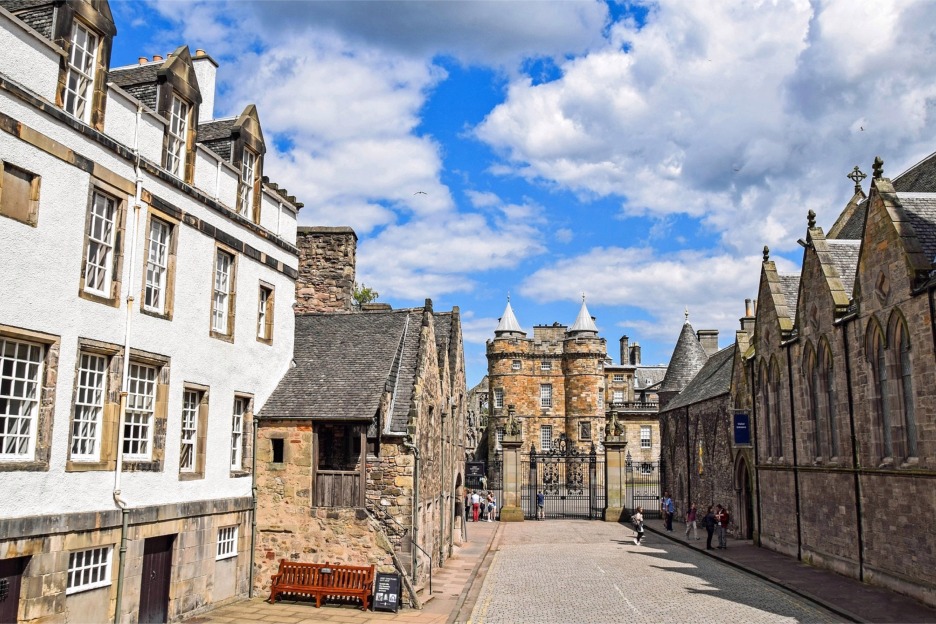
(323, 581)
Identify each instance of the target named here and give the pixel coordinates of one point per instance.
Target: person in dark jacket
(709, 523)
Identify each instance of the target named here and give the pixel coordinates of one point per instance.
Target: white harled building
(147, 277)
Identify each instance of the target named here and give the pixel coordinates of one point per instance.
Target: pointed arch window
(776, 411)
(827, 390)
(901, 343)
(877, 359)
(763, 391)
(812, 375)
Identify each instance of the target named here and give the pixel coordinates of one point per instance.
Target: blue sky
(640, 152)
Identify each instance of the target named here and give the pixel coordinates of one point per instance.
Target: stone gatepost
(512, 511)
(615, 478)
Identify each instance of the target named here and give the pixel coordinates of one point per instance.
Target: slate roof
(921, 210)
(844, 255)
(345, 362)
(648, 375)
(215, 129)
(688, 358)
(714, 379)
(789, 286)
(584, 321)
(134, 74)
(854, 227)
(508, 322)
(18, 5)
(920, 178)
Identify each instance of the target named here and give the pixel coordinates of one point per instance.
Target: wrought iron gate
(572, 481)
(643, 486)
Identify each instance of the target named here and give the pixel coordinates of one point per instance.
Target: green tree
(362, 294)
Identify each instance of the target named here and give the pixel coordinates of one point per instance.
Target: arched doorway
(744, 516)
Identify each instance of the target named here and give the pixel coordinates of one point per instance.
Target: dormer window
(246, 191)
(176, 140)
(79, 81)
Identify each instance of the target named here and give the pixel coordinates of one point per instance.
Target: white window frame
(79, 80)
(617, 396)
(646, 437)
(221, 294)
(21, 367)
(191, 399)
(140, 417)
(248, 174)
(99, 256)
(546, 395)
(265, 294)
(90, 392)
(498, 398)
(516, 365)
(546, 365)
(499, 438)
(176, 152)
(89, 569)
(546, 438)
(227, 543)
(618, 378)
(237, 432)
(157, 265)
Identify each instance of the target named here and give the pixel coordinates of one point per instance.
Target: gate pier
(512, 511)
(615, 478)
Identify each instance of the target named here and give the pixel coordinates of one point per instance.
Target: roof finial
(811, 219)
(766, 253)
(687, 314)
(508, 296)
(857, 176)
(583, 296)
(878, 167)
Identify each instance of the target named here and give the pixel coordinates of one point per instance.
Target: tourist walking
(691, 522)
(475, 506)
(540, 506)
(638, 521)
(722, 516)
(491, 506)
(709, 523)
(669, 509)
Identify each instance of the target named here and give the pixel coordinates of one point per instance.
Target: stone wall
(326, 269)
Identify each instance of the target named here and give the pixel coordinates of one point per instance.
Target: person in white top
(475, 506)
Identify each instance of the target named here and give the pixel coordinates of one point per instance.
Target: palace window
(265, 314)
(237, 433)
(222, 310)
(141, 411)
(546, 437)
(245, 199)
(176, 139)
(498, 398)
(89, 569)
(189, 442)
(618, 396)
(157, 266)
(19, 194)
(585, 431)
(499, 439)
(227, 543)
(645, 437)
(516, 365)
(545, 366)
(20, 387)
(99, 258)
(79, 81)
(89, 407)
(545, 395)
(618, 378)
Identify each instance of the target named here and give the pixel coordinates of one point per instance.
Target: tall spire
(584, 322)
(508, 326)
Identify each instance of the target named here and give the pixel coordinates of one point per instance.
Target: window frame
(91, 61)
(82, 375)
(583, 426)
(198, 441)
(516, 365)
(546, 396)
(230, 295)
(265, 309)
(545, 366)
(103, 566)
(31, 213)
(498, 398)
(227, 542)
(546, 439)
(175, 159)
(617, 378)
(188, 431)
(164, 281)
(114, 265)
(244, 452)
(36, 381)
(237, 432)
(246, 196)
(140, 411)
(646, 441)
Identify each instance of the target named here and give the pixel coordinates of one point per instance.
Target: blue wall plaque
(742, 429)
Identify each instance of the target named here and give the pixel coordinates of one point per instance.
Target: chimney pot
(157, 58)
(142, 60)
(624, 349)
(748, 308)
(199, 52)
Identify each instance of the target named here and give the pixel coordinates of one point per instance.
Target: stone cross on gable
(878, 167)
(857, 176)
(811, 219)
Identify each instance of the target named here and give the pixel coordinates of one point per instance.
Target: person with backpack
(540, 506)
(669, 510)
(491, 506)
(723, 518)
(709, 523)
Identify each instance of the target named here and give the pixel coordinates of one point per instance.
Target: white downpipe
(217, 193)
(124, 387)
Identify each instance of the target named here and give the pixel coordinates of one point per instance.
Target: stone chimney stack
(326, 269)
(625, 350)
(747, 321)
(206, 70)
(634, 355)
(709, 340)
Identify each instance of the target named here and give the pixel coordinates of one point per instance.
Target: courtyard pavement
(563, 571)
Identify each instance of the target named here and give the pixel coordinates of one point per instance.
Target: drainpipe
(414, 520)
(118, 500)
(443, 511)
(754, 440)
(796, 494)
(688, 463)
(856, 462)
(253, 507)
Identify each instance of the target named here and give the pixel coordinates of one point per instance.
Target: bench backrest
(341, 576)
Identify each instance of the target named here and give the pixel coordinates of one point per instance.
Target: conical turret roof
(584, 322)
(688, 359)
(508, 325)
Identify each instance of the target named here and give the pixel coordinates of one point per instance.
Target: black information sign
(474, 472)
(742, 429)
(387, 592)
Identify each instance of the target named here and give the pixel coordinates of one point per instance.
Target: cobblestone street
(581, 571)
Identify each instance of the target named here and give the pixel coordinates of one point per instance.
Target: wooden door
(154, 589)
(11, 573)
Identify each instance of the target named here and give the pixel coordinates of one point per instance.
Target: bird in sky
(420, 193)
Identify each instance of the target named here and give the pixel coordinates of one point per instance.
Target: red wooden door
(11, 573)
(154, 590)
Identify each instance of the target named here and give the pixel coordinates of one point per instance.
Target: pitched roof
(345, 362)
(584, 321)
(789, 286)
(920, 178)
(215, 129)
(921, 210)
(508, 322)
(648, 375)
(688, 358)
(853, 228)
(844, 254)
(714, 379)
(134, 74)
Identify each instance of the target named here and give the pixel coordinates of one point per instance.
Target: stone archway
(744, 516)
